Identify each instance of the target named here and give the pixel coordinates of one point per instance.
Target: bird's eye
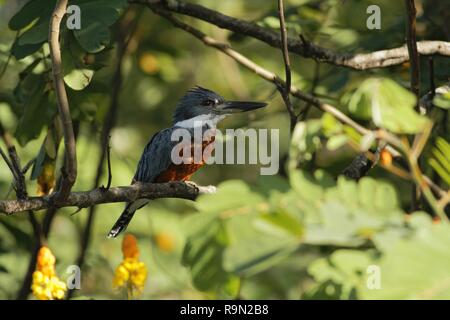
(208, 102)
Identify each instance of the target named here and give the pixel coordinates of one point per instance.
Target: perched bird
(199, 107)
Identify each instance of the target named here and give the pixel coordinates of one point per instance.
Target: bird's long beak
(241, 106)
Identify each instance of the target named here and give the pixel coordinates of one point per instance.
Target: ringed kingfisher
(199, 107)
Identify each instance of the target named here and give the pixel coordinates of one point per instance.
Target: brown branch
(13, 163)
(9, 164)
(286, 89)
(69, 170)
(361, 61)
(116, 194)
(412, 49)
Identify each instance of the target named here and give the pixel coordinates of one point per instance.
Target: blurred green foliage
(305, 233)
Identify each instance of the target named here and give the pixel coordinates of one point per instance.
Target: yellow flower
(46, 261)
(46, 285)
(131, 273)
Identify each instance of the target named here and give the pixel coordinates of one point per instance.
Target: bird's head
(206, 105)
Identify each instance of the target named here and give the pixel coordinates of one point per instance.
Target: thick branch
(117, 194)
(361, 61)
(69, 172)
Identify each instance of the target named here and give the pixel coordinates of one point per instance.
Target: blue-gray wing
(156, 156)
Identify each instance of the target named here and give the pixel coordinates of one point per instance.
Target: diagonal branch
(116, 194)
(69, 171)
(362, 61)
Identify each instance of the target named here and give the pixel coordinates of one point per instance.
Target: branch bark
(116, 194)
(69, 170)
(286, 89)
(307, 49)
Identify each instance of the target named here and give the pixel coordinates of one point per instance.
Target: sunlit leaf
(389, 105)
(416, 268)
(440, 160)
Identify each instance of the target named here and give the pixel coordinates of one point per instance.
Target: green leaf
(337, 141)
(37, 34)
(23, 51)
(388, 104)
(32, 39)
(31, 11)
(440, 161)
(38, 108)
(301, 181)
(305, 141)
(230, 195)
(285, 221)
(442, 100)
(203, 254)
(78, 79)
(416, 268)
(340, 276)
(97, 17)
(257, 243)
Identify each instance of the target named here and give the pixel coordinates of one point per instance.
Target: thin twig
(286, 89)
(412, 49)
(108, 157)
(9, 164)
(69, 171)
(431, 75)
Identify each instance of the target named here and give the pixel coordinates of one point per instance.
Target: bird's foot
(103, 189)
(191, 183)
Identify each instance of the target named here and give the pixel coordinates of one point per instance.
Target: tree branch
(412, 49)
(362, 61)
(13, 163)
(286, 89)
(116, 194)
(69, 171)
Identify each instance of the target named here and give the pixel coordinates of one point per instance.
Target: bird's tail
(126, 216)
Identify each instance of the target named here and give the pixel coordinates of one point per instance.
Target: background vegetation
(306, 233)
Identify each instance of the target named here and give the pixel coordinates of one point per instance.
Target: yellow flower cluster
(131, 273)
(46, 285)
